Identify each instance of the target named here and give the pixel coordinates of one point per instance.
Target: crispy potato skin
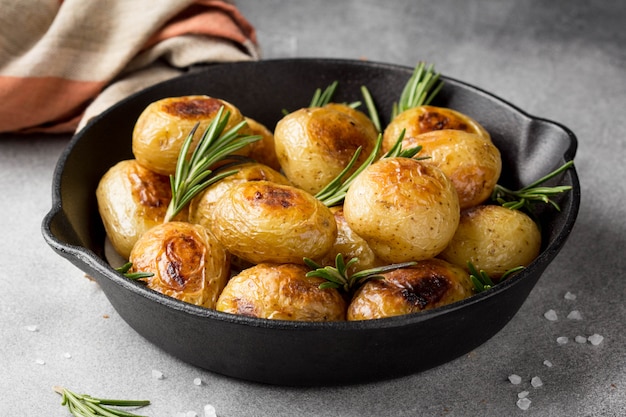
(188, 263)
(315, 144)
(471, 161)
(201, 206)
(495, 239)
(163, 126)
(131, 200)
(424, 119)
(261, 221)
(429, 284)
(281, 292)
(406, 210)
(264, 150)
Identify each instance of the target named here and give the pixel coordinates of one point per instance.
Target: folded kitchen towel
(64, 61)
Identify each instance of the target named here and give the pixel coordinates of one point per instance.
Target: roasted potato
(163, 126)
(281, 292)
(405, 209)
(495, 239)
(131, 200)
(429, 284)
(188, 263)
(315, 144)
(471, 161)
(422, 119)
(264, 150)
(262, 221)
(201, 206)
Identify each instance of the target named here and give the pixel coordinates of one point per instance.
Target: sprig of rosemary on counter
(482, 281)
(83, 405)
(339, 276)
(194, 175)
(526, 197)
(419, 90)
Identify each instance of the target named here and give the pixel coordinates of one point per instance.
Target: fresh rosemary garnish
(397, 151)
(194, 175)
(132, 275)
(322, 98)
(481, 279)
(339, 276)
(526, 197)
(83, 405)
(371, 108)
(419, 90)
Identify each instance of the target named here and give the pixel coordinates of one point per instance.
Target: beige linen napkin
(64, 61)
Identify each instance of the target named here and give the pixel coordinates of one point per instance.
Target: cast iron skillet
(297, 353)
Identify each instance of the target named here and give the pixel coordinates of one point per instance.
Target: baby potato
(405, 209)
(422, 119)
(429, 284)
(495, 239)
(472, 162)
(163, 126)
(188, 263)
(201, 206)
(264, 150)
(350, 245)
(131, 200)
(281, 292)
(315, 144)
(262, 221)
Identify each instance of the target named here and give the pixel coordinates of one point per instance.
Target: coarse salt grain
(551, 315)
(39, 361)
(561, 340)
(547, 363)
(569, 296)
(523, 394)
(575, 315)
(157, 374)
(191, 414)
(197, 381)
(581, 339)
(32, 328)
(515, 379)
(595, 339)
(67, 355)
(523, 403)
(209, 411)
(536, 382)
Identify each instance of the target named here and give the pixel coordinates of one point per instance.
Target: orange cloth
(62, 62)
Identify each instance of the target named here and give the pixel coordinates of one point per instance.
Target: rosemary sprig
(419, 90)
(339, 276)
(371, 108)
(323, 97)
(482, 281)
(397, 151)
(83, 405)
(132, 275)
(194, 175)
(526, 197)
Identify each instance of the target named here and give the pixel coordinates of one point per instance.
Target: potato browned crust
(429, 284)
(281, 292)
(188, 263)
(263, 150)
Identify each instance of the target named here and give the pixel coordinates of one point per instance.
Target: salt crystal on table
(67, 355)
(581, 339)
(515, 379)
(562, 340)
(547, 363)
(570, 296)
(523, 403)
(536, 382)
(595, 339)
(40, 361)
(209, 411)
(32, 328)
(191, 414)
(550, 315)
(575, 315)
(157, 374)
(523, 394)
(197, 381)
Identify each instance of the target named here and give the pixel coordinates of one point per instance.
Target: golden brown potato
(261, 221)
(188, 263)
(472, 162)
(131, 200)
(429, 284)
(264, 150)
(281, 292)
(201, 206)
(163, 126)
(422, 119)
(315, 144)
(495, 239)
(350, 245)
(406, 210)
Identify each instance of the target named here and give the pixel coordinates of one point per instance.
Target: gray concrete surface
(562, 60)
